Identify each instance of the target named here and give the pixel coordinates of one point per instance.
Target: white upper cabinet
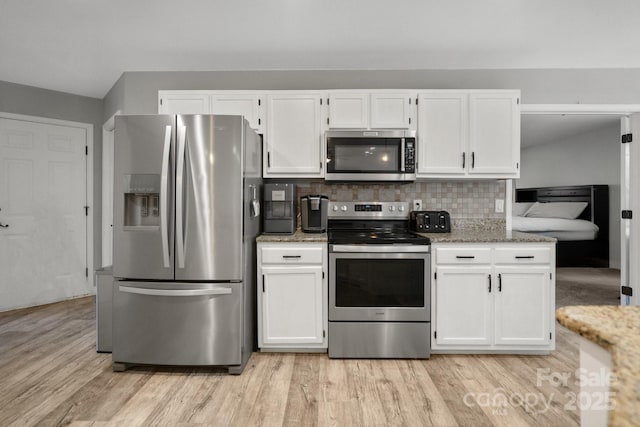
(392, 110)
(468, 133)
(442, 133)
(294, 143)
(247, 104)
(186, 102)
(348, 110)
(494, 133)
(243, 103)
(371, 110)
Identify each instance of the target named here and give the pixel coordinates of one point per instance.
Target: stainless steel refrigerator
(186, 215)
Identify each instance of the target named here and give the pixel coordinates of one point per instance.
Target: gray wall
(32, 101)
(592, 158)
(137, 92)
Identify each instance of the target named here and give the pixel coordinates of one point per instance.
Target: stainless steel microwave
(388, 155)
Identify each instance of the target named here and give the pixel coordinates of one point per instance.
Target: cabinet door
(522, 305)
(464, 299)
(391, 110)
(294, 136)
(190, 102)
(248, 105)
(349, 110)
(292, 306)
(442, 134)
(494, 120)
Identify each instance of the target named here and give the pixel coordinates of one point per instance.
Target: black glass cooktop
(356, 232)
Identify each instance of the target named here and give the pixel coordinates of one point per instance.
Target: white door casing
(630, 201)
(45, 186)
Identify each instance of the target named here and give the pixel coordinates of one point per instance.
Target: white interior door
(43, 194)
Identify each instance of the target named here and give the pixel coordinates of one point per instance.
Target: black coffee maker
(314, 210)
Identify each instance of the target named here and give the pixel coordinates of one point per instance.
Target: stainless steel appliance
(371, 155)
(430, 221)
(314, 213)
(280, 209)
(379, 283)
(186, 214)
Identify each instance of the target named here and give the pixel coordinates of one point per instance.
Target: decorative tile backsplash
(462, 199)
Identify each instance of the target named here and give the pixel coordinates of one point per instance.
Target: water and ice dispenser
(141, 201)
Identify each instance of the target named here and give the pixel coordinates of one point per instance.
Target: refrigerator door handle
(176, 292)
(164, 195)
(182, 146)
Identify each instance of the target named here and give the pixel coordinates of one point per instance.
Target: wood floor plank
(302, 400)
(50, 375)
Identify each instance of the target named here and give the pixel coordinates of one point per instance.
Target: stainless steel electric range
(379, 282)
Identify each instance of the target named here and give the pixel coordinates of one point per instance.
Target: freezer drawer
(177, 323)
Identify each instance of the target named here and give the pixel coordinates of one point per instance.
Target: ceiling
(83, 46)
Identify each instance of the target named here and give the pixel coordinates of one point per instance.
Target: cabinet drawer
(290, 255)
(522, 256)
(463, 255)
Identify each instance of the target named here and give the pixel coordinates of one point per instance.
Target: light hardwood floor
(50, 374)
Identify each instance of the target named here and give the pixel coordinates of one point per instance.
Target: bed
(578, 216)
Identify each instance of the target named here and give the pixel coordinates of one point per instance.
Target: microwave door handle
(164, 194)
(402, 160)
(182, 137)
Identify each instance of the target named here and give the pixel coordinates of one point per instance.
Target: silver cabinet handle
(525, 256)
(291, 256)
(182, 146)
(4, 225)
(175, 292)
(164, 194)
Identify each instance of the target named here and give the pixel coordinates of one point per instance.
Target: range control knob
(343, 208)
(335, 208)
(392, 208)
(401, 208)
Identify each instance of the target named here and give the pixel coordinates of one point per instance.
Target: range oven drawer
(397, 340)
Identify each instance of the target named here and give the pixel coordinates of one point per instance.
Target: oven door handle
(380, 248)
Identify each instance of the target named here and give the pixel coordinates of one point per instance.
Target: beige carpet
(587, 286)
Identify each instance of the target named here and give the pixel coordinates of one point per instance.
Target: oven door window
(362, 282)
(364, 155)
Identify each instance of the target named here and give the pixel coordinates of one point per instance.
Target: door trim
(88, 128)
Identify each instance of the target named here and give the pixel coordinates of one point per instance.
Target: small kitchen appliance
(379, 282)
(280, 208)
(430, 221)
(314, 213)
(383, 155)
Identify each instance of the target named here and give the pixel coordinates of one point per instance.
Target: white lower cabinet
(292, 296)
(494, 298)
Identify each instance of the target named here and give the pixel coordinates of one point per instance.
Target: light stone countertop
(298, 237)
(617, 330)
(479, 235)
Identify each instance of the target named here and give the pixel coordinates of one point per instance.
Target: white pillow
(520, 208)
(567, 210)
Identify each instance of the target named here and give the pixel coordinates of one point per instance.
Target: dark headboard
(578, 253)
(596, 196)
